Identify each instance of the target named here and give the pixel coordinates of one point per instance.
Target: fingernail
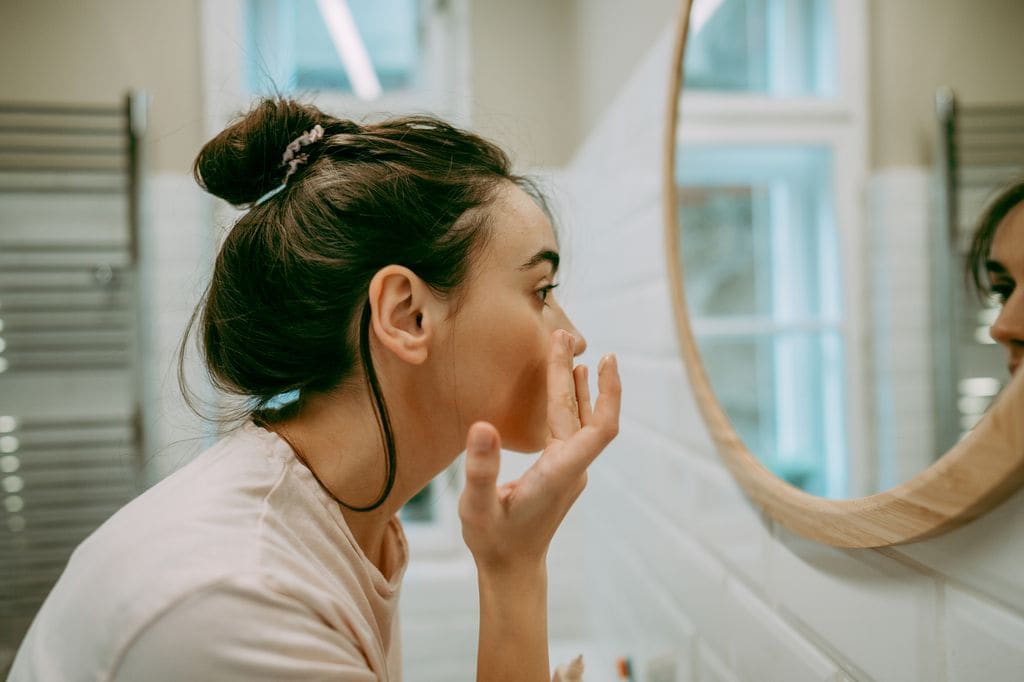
(604, 361)
(482, 439)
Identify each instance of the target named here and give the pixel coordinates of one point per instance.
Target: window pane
(719, 248)
(761, 266)
(783, 395)
(290, 47)
(783, 48)
(757, 233)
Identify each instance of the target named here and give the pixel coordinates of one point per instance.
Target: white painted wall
(681, 566)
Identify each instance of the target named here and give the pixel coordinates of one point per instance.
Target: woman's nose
(580, 342)
(1008, 329)
(581, 345)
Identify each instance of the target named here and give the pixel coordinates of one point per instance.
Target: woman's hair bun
(243, 162)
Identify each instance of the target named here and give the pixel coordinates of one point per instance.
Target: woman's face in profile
(1005, 268)
(503, 333)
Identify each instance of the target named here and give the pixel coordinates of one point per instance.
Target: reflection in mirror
(766, 312)
(823, 281)
(777, 48)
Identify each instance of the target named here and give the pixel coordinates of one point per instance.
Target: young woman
(399, 278)
(996, 266)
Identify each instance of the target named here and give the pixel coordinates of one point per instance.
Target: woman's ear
(403, 313)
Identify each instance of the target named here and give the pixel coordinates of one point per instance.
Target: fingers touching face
(563, 406)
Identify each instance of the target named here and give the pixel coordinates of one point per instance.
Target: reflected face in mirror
(1005, 267)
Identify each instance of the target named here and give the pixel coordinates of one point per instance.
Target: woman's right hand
(512, 525)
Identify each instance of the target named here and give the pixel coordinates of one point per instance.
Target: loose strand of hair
(380, 408)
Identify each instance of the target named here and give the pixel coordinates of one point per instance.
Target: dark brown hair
(287, 308)
(981, 243)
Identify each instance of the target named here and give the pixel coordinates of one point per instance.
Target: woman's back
(237, 566)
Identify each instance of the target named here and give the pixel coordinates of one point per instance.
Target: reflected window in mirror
(780, 48)
(760, 253)
(767, 184)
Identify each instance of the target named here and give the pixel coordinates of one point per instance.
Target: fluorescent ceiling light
(349, 44)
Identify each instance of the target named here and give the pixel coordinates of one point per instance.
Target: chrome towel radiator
(70, 389)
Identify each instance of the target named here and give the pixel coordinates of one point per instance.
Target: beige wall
(918, 45)
(523, 86)
(67, 53)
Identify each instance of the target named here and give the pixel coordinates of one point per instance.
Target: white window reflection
(780, 48)
(760, 258)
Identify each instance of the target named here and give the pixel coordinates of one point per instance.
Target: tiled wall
(900, 275)
(682, 570)
(177, 255)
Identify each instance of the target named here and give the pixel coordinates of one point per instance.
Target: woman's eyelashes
(1002, 290)
(543, 292)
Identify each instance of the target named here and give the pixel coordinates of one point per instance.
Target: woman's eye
(543, 292)
(1002, 292)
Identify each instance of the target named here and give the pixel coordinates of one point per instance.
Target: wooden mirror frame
(974, 476)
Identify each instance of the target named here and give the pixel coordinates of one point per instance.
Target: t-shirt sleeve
(235, 630)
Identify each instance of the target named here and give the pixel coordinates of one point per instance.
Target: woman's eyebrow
(542, 256)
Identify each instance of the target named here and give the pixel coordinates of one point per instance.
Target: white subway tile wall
(982, 639)
(176, 249)
(900, 281)
(677, 558)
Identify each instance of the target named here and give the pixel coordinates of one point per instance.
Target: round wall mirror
(821, 194)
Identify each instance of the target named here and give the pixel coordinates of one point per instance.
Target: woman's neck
(338, 437)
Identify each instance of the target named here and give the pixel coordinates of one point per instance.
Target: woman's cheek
(525, 409)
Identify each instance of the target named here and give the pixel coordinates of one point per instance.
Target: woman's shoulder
(205, 542)
(202, 511)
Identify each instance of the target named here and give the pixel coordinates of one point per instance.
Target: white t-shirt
(238, 566)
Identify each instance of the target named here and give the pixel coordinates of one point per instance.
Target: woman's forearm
(513, 626)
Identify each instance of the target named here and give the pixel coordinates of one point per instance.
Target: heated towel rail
(70, 389)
